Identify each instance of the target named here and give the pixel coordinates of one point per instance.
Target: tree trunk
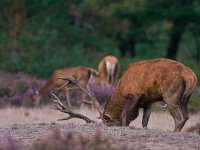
(197, 56)
(127, 46)
(17, 24)
(78, 17)
(175, 38)
(177, 31)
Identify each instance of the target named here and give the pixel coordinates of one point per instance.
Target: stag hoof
(131, 127)
(145, 128)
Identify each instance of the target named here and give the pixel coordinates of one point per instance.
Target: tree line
(31, 29)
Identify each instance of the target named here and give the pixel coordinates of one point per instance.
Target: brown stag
(83, 74)
(109, 69)
(142, 84)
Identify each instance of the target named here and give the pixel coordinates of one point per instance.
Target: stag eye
(106, 118)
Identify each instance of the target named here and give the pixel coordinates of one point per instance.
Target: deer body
(83, 74)
(146, 82)
(109, 69)
(142, 84)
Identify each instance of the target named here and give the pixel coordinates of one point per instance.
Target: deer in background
(83, 74)
(103, 84)
(109, 69)
(142, 84)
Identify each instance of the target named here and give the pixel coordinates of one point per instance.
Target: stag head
(107, 119)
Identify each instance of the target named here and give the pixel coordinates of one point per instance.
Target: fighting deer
(82, 73)
(109, 69)
(142, 84)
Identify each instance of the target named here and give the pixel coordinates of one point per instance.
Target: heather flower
(102, 93)
(16, 89)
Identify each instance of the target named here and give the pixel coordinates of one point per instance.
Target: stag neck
(118, 101)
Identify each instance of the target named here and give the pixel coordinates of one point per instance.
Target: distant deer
(83, 74)
(142, 84)
(109, 69)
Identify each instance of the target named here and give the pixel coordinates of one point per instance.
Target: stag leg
(185, 112)
(177, 106)
(125, 112)
(146, 115)
(184, 107)
(129, 111)
(133, 114)
(124, 116)
(178, 116)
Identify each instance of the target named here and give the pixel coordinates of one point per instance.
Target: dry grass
(33, 128)
(46, 114)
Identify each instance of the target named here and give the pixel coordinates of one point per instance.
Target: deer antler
(96, 104)
(58, 105)
(86, 102)
(62, 86)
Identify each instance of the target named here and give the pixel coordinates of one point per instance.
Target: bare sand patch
(45, 114)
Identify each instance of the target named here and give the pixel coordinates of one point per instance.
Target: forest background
(40, 36)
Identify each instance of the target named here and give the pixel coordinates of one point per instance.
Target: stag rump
(142, 84)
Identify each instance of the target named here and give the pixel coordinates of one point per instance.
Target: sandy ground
(27, 124)
(12, 116)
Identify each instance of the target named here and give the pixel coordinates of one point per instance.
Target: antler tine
(86, 91)
(86, 102)
(89, 103)
(62, 86)
(64, 111)
(70, 78)
(57, 101)
(59, 106)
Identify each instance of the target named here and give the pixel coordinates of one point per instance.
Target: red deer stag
(142, 84)
(109, 69)
(83, 74)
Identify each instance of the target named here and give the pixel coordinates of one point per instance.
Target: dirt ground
(28, 125)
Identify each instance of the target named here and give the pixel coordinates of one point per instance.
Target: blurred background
(40, 36)
(49, 34)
